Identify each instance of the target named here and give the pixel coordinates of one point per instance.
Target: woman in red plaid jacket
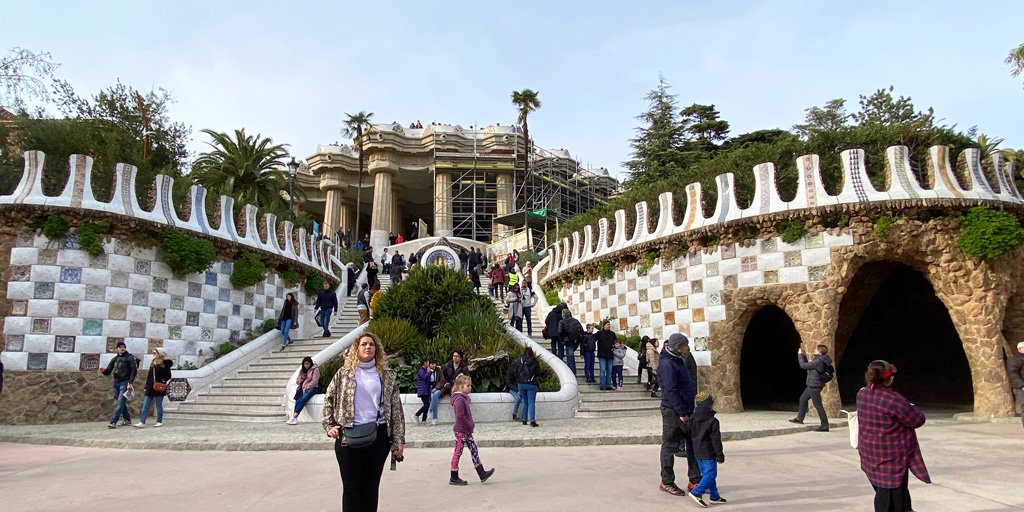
(886, 440)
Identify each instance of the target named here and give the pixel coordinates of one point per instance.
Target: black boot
(484, 475)
(456, 480)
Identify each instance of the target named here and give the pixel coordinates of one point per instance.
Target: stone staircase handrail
(201, 379)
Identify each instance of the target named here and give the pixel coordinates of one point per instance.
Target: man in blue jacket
(326, 303)
(676, 408)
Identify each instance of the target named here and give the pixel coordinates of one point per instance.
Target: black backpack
(828, 374)
(574, 330)
(523, 373)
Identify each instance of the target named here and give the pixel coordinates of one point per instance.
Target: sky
(292, 70)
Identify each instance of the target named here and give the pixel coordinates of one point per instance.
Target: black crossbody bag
(363, 436)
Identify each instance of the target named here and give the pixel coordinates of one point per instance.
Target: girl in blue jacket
(424, 384)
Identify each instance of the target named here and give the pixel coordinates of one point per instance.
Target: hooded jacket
(463, 416)
(552, 320)
(123, 367)
(308, 379)
(674, 380)
(1015, 370)
(707, 434)
(814, 369)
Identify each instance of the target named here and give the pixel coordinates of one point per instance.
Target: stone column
(331, 183)
(380, 220)
(347, 214)
(506, 201)
(396, 212)
(443, 225)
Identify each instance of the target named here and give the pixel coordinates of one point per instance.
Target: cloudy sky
(291, 70)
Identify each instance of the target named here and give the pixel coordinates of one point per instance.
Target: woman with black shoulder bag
(363, 411)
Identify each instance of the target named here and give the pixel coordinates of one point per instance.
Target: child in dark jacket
(424, 385)
(707, 447)
(464, 431)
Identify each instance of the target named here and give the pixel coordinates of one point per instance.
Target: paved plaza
(974, 468)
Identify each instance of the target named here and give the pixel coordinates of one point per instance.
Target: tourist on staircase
(385, 261)
(308, 383)
(424, 384)
(570, 332)
(498, 282)
(463, 428)
(528, 299)
(474, 278)
(288, 319)
(474, 260)
(326, 302)
(397, 266)
(123, 367)
(351, 279)
(527, 369)
(156, 387)
(528, 273)
(363, 304)
(817, 377)
(463, 260)
(515, 308)
(641, 356)
(605, 341)
(1015, 371)
(363, 412)
(618, 360)
(652, 368)
(551, 326)
(587, 349)
(676, 407)
(371, 273)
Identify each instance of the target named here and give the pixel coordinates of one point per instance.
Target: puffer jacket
(652, 357)
(309, 379)
(707, 434)
(552, 321)
(424, 381)
(674, 381)
(463, 415)
(340, 399)
(1015, 370)
(814, 369)
(618, 355)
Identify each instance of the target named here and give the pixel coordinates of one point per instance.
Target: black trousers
(814, 395)
(652, 379)
(361, 471)
(893, 500)
(672, 431)
(426, 406)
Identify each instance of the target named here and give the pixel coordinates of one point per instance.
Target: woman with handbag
(307, 385)
(156, 387)
(288, 319)
(363, 412)
(514, 306)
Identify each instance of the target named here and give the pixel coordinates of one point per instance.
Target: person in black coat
(812, 392)
(605, 339)
(677, 406)
(527, 372)
(351, 279)
(326, 303)
(551, 322)
(1015, 371)
(159, 371)
(371, 273)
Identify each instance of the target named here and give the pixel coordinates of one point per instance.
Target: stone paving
(214, 435)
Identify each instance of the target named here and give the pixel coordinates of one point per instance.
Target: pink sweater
(310, 379)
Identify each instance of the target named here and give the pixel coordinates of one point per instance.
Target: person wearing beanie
(707, 447)
(159, 372)
(123, 367)
(676, 408)
(816, 369)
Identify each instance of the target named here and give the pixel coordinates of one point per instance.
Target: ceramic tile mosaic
(247, 324)
(47, 257)
(92, 327)
(174, 331)
(711, 270)
(122, 247)
(177, 302)
(211, 278)
(157, 315)
(192, 319)
(748, 263)
(234, 336)
(236, 309)
(792, 258)
(40, 326)
(222, 321)
(89, 363)
(714, 298)
(25, 239)
(72, 241)
(118, 312)
(140, 298)
(43, 291)
(670, 317)
(770, 276)
(64, 344)
(729, 282)
(224, 294)
(137, 329)
(815, 241)
(226, 267)
(160, 284)
(208, 334)
(95, 293)
(100, 261)
(195, 290)
(21, 273)
(698, 314)
(67, 309)
(119, 279)
(249, 297)
(142, 267)
(642, 295)
(818, 272)
(697, 286)
(153, 344)
(768, 245)
(14, 342)
(19, 307)
(191, 348)
(112, 344)
(37, 362)
(694, 258)
(728, 251)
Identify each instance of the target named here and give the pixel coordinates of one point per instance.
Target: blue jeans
(528, 315)
(301, 402)
(325, 320)
(121, 409)
(617, 376)
(708, 483)
(159, 402)
(570, 356)
(529, 394)
(606, 371)
(286, 325)
(435, 396)
(1020, 398)
(517, 322)
(515, 409)
(588, 366)
(558, 348)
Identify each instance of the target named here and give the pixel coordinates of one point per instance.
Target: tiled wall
(685, 295)
(69, 310)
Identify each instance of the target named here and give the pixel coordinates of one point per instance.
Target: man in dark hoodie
(123, 367)
(814, 368)
(707, 446)
(676, 408)
(1015, 370)
(551, 322)
(326, 303)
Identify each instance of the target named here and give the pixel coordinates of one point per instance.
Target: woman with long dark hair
(886, 438)
(288, 319)
(527, 372)
(308, 383)
(363, 411)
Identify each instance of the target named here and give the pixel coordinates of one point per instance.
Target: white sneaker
(158, 424)
(433, 423)
(139, 425)
(293, 421)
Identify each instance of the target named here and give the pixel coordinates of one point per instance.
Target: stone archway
(770, 376)
(892, 312)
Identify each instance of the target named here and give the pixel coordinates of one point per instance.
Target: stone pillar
(396, 212)
(331, 183)
(443, 224)
(347, 217)
(506, 201)
(380, 216)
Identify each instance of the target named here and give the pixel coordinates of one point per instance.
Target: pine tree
(656, 148)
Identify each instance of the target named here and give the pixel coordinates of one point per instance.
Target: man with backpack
(819, 373)
(570, 330)
(123, 367)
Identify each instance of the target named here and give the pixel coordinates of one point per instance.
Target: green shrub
(577, 277)
(548, 382)
(53, 226)
(291, 277)
(648, 261)
(606, 269)
(353, 256)
(477, 328)
(327, 370)
(749, 232)
(551, 296)
(528, 256)
(314, 283)
(224, 349)
(792, 230)
(145, 238)
(632, 342)
(429, 296)
(186, 254)
(835, 220)
(406, 374)
(89, 237)
(438, 349)
(713, 240)
(249, 270)
(269, 325)
(883, 225)
(397, 335)
(989, 234)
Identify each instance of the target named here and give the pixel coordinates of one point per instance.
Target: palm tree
(527, 101)
(247, 168)
(354, 124)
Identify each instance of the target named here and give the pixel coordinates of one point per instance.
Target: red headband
(890, 369)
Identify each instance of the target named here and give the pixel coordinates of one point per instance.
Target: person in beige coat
(652, 367)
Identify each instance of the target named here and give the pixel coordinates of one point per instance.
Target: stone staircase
(256, 393)
(633, 400)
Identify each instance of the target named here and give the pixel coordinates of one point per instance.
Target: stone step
(246, 388)
(227, 416)
(256, 381)
(627, 403)
(265, 374)
(596, 395)
(234, 407)
(263, 398)
(273, 365)
(289, 354)
(619, 413)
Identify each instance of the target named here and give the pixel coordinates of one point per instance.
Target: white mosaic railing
(78, 195)
(970, 184)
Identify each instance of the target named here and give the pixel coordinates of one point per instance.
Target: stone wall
(31, 397)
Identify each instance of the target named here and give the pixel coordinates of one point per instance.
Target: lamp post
(293, 167)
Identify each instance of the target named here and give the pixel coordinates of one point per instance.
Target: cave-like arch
(770, 377)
